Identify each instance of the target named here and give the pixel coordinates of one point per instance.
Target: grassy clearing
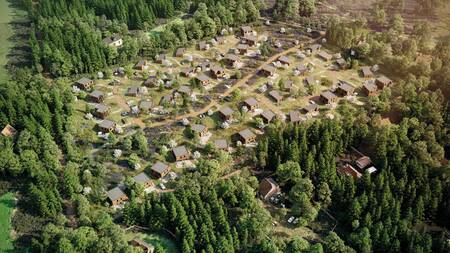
(6, 16)
(7, 204)
(158, 29)
(158, 238)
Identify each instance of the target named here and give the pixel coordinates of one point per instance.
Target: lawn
(154, 238)
(6, 14)
(7, 204)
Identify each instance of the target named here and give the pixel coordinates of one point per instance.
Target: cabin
(9, 131)
(115, 40)
(232, 60)
(382, 82)
(166, 99)
(250, 40)
(217, 71)
(199, 129)
(226, 113)
(180, 52)
(101, 111)
(310, 81)
(246, 136)
(268, 188)
(349, 171)
(285, 60)
(251, 103)
(345, 89)
(146, 248)
(268, 71)
(267, 116)
(294, 117)
(220, 40)
(203, 46)
(313, 48)
(204, 65)
(159, 170)
(181, 153)
(246, 30)
(276, 96)
(107, 126)
(151, 81)
(242, 48)
(311, 108)
(370, 88)
(187, 72)
(341, 63)
(185, 90)
(84, 83)
(203, 79)
(221, 144)
(143, 179)
(134, 91)
(145, 106)
(141, 65)
(116, 196)
(366, 72)
(327, 97)
(301, 70)
(96, 96)
(363, 162)
(324, 56)
(160, 58)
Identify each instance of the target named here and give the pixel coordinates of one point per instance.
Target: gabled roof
(115, 194)
(160, 167)
(141, 178)
(349, 171)
(113, 38)
(221, 144)
(232, 57)
(96, 94)
(84, 81)
(180, 51)
(146, 105)
(311, 107)
(363, 162)
(246, 29)
(251, 38)
(242, 47)
(216, 69)
(9, 130)
(285, 59)
(247, 134)
(366, 71)
(370, 86)
(184, 89)
(276, 95)
(294, 116)
(325, 55)
(101, 108)
(227, 111)
(198, 128)
(328, 95)
(202, 77)
(251, 101)
(384, 80)
(346, 86)
(268, 115)
(107, 124)
(180, 151)
(269, 68)
(268, 187)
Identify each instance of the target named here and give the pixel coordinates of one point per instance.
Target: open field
(7, 204)
(6, 16)
(157, 238)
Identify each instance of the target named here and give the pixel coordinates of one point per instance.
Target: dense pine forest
(403, 208)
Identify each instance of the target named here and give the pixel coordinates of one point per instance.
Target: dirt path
(238, 85)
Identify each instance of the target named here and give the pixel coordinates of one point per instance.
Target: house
(382, 82)
(363, 162)
(203, 66)
(301, 70)
(9, 131)
(221, 144)
(115, 40)
(217, 71)
(134, 91)
(199, 129)
(246, 136)
(160, 58)
(344, 88)
(84, 83)
(327, 97)
(284, 60)
(203, 79)
(370, 88)
(251, 103)
(151, 81)
(313, 48)
(187, 72)
(276, 96)
(181, 153)
(166, 99)
(159, 170)
(203, 46)
(220, 40)
(310, 81)
(268, 188)
(242, 48)
(145, 106)
(146, 248)
(268, 70)
(232, 59)
(294, 117)
(250, 40)
(349, 171)
(246, 30)
(96, 96)
(226, 113)
(186, 90)
(107, 126)
(116, 196)
(324, 56)
(180, 52)
(101, 111)
(366, 72)
(143, 179)
(311, 108)
(342, 63)
(141, 65)
(267, 116)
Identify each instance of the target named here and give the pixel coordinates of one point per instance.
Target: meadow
(7, 204)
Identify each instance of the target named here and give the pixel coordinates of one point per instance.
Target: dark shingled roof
(227, 111)
(328, 95)
(294, 116)
(141, 178)
(247, 134)
(202, 77)
(159, 167)
(276, 95)
(251, 101)
(268, 115)
(221, 144)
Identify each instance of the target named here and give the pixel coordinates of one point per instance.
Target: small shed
(242, 48)
(311, 108)
(200, 129)
(97, 96)
(141, 65)
(276, 96)
(327, 97)
(181, 153)
(344, 88)
(84, 83)
(246, 136)
(226, 113)
(217, 71)
(268, 70)
(251, 103)
(101, 111)
(348, 170)
(382, 82)
(285, 60)
(370, 88)
(203, 79)
(107, 126)
(221, 144)
(366, 72)
(143, 179)
(267, 116)
(324, 56)
(9, 131)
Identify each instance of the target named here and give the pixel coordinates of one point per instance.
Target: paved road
(215, 102)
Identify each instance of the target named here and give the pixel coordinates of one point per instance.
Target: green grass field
(7, 204)
(154, 238)
(6, 16)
